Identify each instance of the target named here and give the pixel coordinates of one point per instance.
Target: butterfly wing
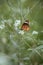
(25, 27)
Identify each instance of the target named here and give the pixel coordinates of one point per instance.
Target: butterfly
(25, 26)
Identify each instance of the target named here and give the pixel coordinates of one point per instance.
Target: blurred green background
(21, 47)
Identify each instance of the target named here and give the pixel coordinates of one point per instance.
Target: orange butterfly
(25, 26)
